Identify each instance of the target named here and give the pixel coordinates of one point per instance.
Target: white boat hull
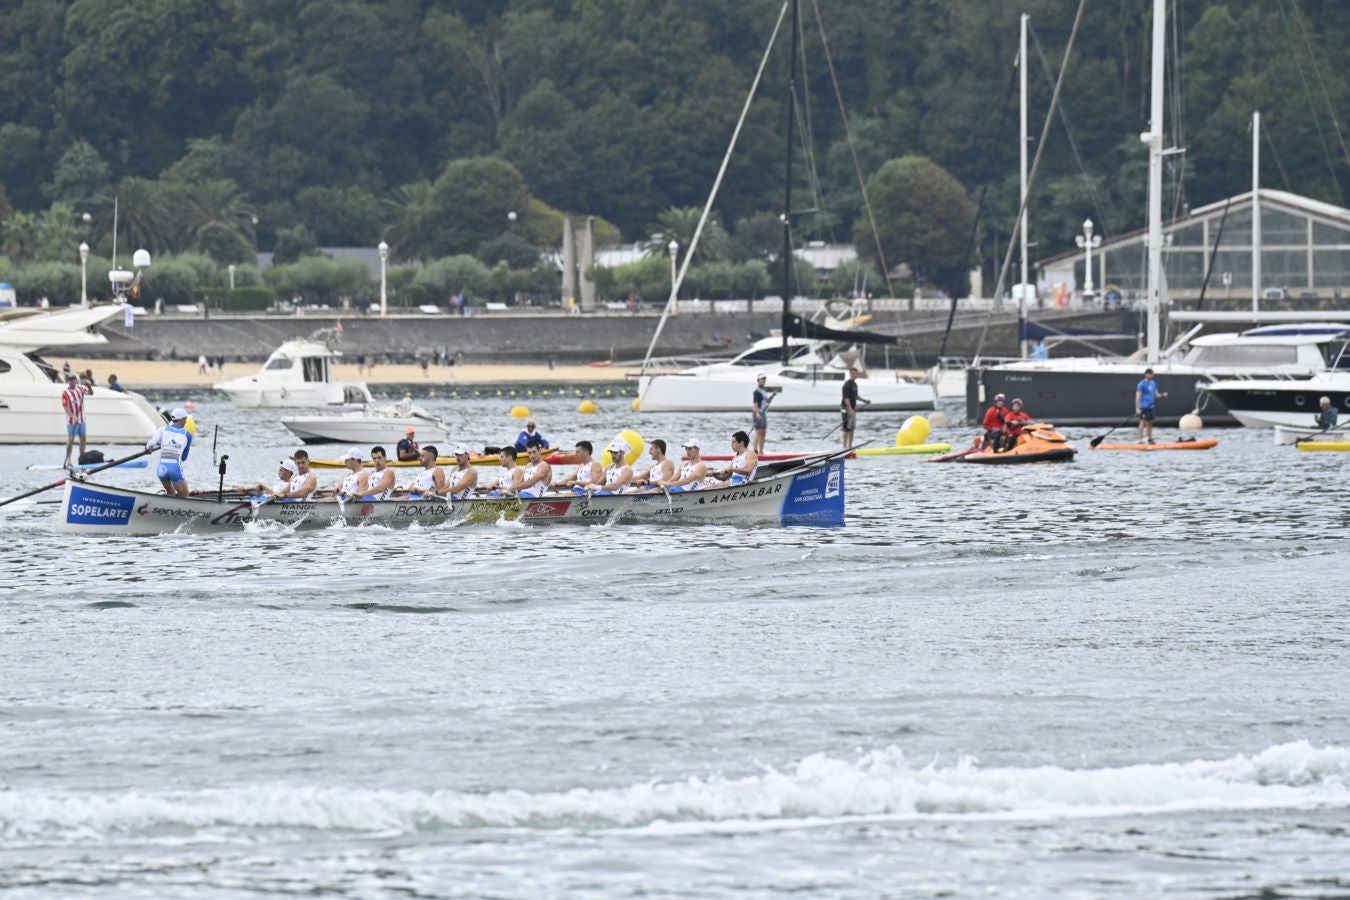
(711, 390)
(32, 414)
(249, 394)
(1291, 434)
(361, 429)
(811, 495)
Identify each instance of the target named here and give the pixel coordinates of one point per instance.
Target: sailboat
(813, 358)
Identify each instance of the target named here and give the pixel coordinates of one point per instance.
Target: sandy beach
(135, 374)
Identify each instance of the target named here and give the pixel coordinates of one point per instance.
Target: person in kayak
(1013, 422)
(1327, 415)
(1146, 396)
(995, 417)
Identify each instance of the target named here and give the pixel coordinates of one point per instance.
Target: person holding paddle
(1327, 415)
(1146, 396)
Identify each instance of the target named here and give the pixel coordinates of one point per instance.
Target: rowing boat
(808, 494)
(481, 459)
(907, 450)
(1297, 434)
(1183, 444)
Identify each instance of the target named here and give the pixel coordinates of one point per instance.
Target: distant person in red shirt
(72, 401)
(994, 419)
(1012, 424)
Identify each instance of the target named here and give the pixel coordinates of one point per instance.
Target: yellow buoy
(636, 405)
(520, 412)
(914, 431)
(635, 445)
(190, 426)
(587, 407)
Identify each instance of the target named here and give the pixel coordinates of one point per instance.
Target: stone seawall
(535, 338)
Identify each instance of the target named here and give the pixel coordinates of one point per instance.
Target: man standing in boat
(173, 442)
(759, 415)
(1146, 396)
(848, 405)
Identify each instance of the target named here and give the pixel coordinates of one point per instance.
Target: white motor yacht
(812, 381)
(30, 389)
(297, 374)
(371, 426)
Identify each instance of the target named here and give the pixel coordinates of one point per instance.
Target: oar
(1101, 437)
(56, 484)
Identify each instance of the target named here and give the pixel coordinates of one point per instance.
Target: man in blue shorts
(173, 442)
(1146, 396)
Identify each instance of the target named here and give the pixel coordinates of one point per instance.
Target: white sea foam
(880, 784)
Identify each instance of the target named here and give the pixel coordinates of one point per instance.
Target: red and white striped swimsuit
(72, 401)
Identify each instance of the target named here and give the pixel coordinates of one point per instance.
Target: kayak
(1193, 444)
(1038, 442)
(1325, 446)
(479, 459)
(910, 450)
(84, 467)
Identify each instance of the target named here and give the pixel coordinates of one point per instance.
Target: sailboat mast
(787, 177)
(1256, 212)
(1154, 139)
(1022, 196)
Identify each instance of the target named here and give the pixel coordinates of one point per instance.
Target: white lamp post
(674, 248)
(231, 268)
(384, 284)
(84, 274)
(1088, 242)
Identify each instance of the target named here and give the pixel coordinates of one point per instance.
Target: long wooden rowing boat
(808, 494)
(556, 458)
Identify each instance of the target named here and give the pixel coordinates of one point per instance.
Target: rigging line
(1213, 256)
(979, 209)
(1317, 70)
(853, 152)
(1178, 131)
(1073, 139)
(1035, 167)
(806, 133)
(1270, 142)
(712, 196)
(1317, 120)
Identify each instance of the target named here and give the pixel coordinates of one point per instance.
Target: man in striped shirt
(72, 401)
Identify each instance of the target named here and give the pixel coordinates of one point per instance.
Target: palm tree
(20, 237)
(149, 213)
(679, 224)
(218, 220)
(409, 209)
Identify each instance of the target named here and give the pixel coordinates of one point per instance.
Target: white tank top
(686, 471)
(425, 482)
(505, 481)
(371, 488)
(613, 472)
(462, 494)
(298, 482)
(739, 461)
(350, 484)
(537, 489)
(585, 474)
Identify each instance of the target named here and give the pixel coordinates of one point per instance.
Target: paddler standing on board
(173, 442)
(1146, 396)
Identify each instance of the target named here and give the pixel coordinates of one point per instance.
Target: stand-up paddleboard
(910, 450)
(1196, 444)
(84, 467)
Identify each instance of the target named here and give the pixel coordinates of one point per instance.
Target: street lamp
(1087, 242)
(384, 284)
(231, 268)
(84, 274)
(674, 248)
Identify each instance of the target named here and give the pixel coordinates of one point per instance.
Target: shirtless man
(430, 482)
(743, 465)
(463, 479)
(618, 474)
(588, 470)
(381, 481)
(692, 474)
(303, 483)
(663, 468)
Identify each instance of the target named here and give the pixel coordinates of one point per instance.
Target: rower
(463, 480)
(173, 442)
(619, 473)
(510, 475)
(534, 477)
(662, 469)
(692, 474)
(380, 482)
(303, 483)
(285, 472)
(743, 465)
(357, 480)
(588, 470)
(430, 482)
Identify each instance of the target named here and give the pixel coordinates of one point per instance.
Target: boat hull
(1089, 397)
(32, 414)
(246, 395)
(1291, 434)
(809, 495)
(363, 429)
(1324, 446)
(732, 391)
(1266, 404)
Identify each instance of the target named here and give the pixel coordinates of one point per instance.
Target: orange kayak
(1038, 442)
(1194, 444)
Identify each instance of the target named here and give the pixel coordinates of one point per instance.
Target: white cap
(761, 376)
(619, 446)
(693, 442)
(289, 466)
(1325, 400)
(461, 450)
(353, 453)
(178, 413)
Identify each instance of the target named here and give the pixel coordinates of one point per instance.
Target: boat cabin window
(316, 368)
(4, 367)
(353, 394)
(46, 368)
(278, 364)
(770, 355)
(1250, 355)
(1338, 356)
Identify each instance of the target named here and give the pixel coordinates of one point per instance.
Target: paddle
(55, 484)
(1101, 437)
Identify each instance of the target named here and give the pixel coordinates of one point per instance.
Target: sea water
(1125, 676)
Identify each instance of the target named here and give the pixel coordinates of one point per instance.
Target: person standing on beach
(72, 401)
(1146, 396)
(759, 414)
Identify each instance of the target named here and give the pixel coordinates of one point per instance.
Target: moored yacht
(372, 425)
(297, 374)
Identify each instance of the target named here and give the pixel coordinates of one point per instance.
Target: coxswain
(743, 465)
(618, 474)
(692, 474)
(173, 442)
(357, 482)
(463, 479)
(662, 468)
(588, 470)
(1013, 423)
(534, 475)
(380, 482)
(303, 483)
(993, 422)
(430, 482)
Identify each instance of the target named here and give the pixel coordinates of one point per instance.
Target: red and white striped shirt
(72, 401)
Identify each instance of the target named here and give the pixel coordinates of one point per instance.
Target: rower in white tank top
(536, 489)
(739, 463)
(297, 483)
(423, 484)
(350, 485)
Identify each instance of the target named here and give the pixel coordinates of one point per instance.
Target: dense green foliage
(227, 126)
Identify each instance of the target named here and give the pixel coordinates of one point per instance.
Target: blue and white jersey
(173, 442)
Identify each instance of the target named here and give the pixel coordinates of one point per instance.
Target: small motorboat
(1183, 444)
(1038, 442)
(372, 425)
(299, 373)
(1297, 434)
